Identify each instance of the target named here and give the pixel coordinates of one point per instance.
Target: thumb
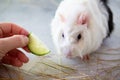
(9, 43)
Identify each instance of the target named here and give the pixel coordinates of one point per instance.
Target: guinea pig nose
(69, 55)
(67, 52)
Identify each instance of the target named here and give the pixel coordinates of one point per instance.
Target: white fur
(92, 35)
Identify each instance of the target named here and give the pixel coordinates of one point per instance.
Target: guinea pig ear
(62, 18)
(82, 19)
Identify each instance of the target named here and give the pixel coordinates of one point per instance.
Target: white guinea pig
(80, 26)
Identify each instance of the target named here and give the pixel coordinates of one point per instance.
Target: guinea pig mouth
(69, 55)
(73, 54)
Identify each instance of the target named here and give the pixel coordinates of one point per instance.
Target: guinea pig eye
(63, 35)
(79, 37)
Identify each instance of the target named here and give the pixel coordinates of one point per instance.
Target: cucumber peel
(36, 46)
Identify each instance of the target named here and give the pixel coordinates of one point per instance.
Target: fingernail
(23, 32)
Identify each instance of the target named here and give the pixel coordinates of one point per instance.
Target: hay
(62, 69)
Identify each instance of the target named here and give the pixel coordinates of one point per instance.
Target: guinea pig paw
(86, 57)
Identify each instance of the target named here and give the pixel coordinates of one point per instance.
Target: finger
(22, 57)
(10, 43)
(18, 54)
(12, 61)
(10, 28)
(13, 53)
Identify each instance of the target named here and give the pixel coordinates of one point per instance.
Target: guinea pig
(80, 26)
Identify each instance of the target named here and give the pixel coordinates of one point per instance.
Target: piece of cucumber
(36, 46)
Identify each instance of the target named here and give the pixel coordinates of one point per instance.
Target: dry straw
(48, 69)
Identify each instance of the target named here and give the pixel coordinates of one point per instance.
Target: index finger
(10, 28)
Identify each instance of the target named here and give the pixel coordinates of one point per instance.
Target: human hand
(12, 37)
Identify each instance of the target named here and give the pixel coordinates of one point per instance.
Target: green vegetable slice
(36, 46)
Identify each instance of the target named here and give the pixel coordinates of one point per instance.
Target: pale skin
(12, 37)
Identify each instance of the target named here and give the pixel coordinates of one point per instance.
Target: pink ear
(62, 18)
(82, 19)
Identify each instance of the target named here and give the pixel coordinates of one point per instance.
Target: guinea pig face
(71, 38)
(69, 28)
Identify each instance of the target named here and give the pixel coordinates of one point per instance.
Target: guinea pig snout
(67, 52)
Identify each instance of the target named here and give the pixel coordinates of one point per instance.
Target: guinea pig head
(72, 38)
